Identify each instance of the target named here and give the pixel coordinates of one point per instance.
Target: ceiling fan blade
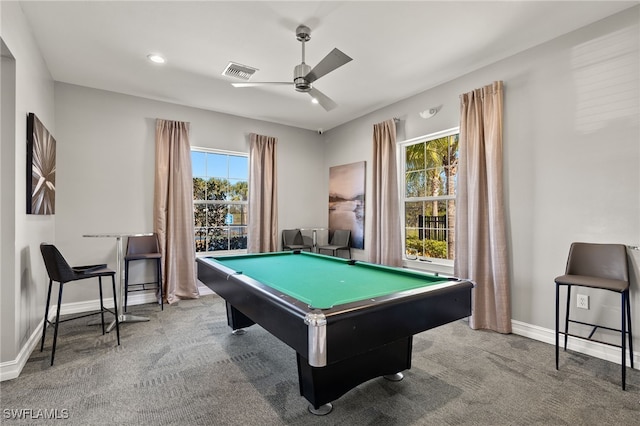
(333, 60)
(263, 83)
(322, 99)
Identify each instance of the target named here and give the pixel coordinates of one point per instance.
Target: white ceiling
(398, 48)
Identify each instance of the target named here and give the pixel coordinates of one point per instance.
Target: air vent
(242, 72)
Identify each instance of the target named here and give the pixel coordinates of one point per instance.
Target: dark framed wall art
(41, 168)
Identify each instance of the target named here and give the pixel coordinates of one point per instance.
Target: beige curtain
(386, 244)
(173, 210)
(263, 195)
(481, 243)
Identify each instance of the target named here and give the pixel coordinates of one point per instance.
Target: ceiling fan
(304, 76)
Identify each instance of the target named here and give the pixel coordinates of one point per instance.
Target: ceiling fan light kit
(304, 76)
(299, 74)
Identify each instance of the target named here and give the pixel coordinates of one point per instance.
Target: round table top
(119, 234)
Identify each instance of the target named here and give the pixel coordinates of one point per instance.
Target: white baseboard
(594, 349)
(11, 369)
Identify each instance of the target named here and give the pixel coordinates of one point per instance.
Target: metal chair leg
(115, 307)
(557, 324)
(126, 284)
(46, 316)
(566, 318)
(55, 329)
(101, 304)
(160, 284)
(623, 345)
(629, 333)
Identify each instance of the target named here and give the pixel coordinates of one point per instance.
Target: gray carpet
(183, 367)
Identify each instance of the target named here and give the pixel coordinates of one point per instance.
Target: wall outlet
(582, 301)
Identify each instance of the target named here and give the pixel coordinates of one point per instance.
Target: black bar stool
(59, 270)
(143, 248)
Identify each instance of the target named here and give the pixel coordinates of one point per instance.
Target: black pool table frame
(341, 347)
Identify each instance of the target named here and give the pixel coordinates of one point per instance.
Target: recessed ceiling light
(314, 101)
(155, 58)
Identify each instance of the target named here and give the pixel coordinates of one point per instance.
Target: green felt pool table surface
(324, 281)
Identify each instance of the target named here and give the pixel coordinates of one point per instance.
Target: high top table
(324, 236)
(122, 316)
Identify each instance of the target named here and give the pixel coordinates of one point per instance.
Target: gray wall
(23, 276)
(7, 181)
(572, 156)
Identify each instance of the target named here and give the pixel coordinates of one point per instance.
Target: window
(429, 170)
(220, 198)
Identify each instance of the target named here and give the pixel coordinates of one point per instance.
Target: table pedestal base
(119, 301)
(122, 318)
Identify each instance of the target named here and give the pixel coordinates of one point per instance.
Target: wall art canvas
(41, 168)
(346, 200)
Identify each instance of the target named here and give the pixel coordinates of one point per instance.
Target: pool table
(348, 321)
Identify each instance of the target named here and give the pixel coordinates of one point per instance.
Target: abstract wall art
(41, 168)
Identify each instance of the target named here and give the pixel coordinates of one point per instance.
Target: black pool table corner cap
(469, 280)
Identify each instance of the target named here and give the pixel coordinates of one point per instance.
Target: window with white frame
(429, 176)
(220, 199)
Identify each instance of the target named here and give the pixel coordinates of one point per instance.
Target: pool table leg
(322, 385)
(237, 320)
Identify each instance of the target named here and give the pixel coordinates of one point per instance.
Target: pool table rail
(362, 324)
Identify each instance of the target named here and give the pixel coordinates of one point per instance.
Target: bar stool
(603, 267)
(59, 270)
(143, 248)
